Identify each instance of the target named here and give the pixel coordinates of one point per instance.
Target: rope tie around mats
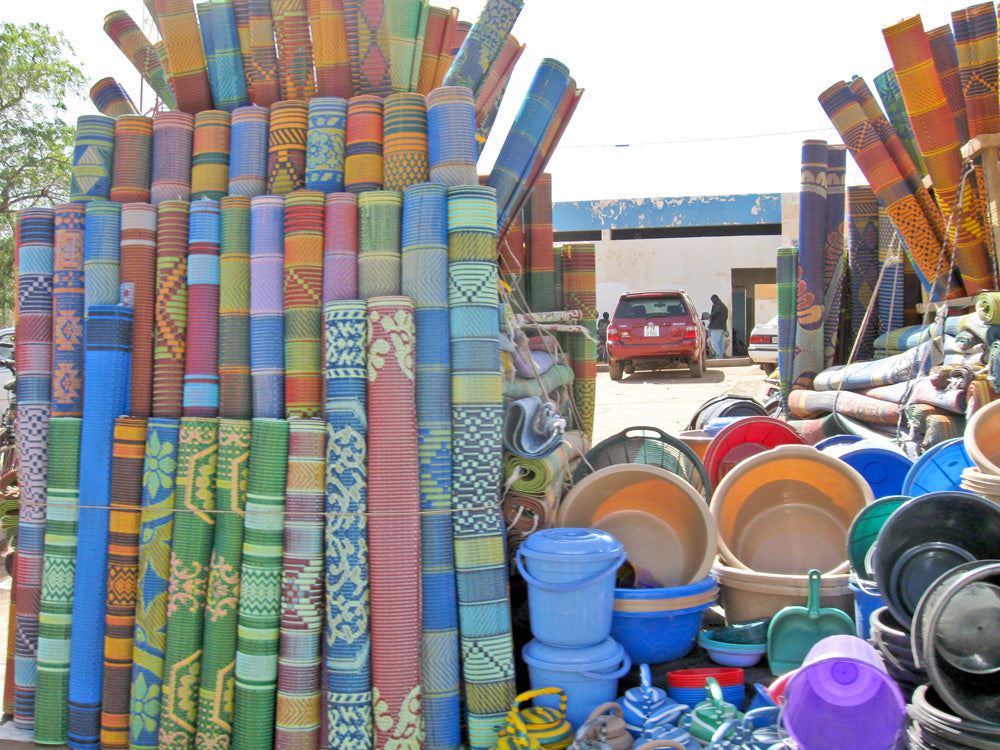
(425, 280)
(451, 136)
(302, 604)
(363, 144)
(132, 165)
(173, 141)
(348, 642)
(123, 572)
(331, 57)
(326, 143)
(188, 68)
(138, 278)
(234, 309)
(67, 311)
(379, 253)
(215, 690)
(340, 247)
(106, 361)
(210, 154)
(156, 534)
(260, 587)
(197, 463)
(56, 603)
(201, 362)
(267, 360)
(286, 146)
(477, 416)
(248, 151)
(404, 142)
(101, 254)
(169, 341)
(93, 156)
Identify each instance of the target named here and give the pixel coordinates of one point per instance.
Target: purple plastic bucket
(843, 697)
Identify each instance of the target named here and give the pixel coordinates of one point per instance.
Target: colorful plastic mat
(580, 293)
(111, 98)
(340, 247)
(267, 329)
(477, 412)
(328, 27)
(241, 11)
(862, 234)
(894, 369)
(201, 360)
(379, 249)
(437, 35)
(833, 249)
(491, 93)
(451, 136)
(976, 56)
(812, 243)
(405, 157)
(234, 309)
(348, 641)
(248, 151)
(155, 538)
(303, 324)
(123, 573)
(56, 602)
(135, 45)
(67, 311)
(891, 301)
(225, 64)
(942, 43)
(93, 155)
(892, 100)
(178, 26)
(101, 254)
(106, 361)
(368, 44)
(541, 258)
(173, 139)
(264, 80)
(138, 278)
(260, 587)
(295, 54)
(481, 47)
(132, 166)
(363, 150)
(210, 154)
(787, 276)
(171, 309)
(326, 144)
(286, 149)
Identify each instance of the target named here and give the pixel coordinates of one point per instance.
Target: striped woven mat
(405, 23)
(326, 144)
(437, 35)
(210, 154)
(862, 234)
(451, 136)
(201, 360)
(264, 79)
(295, 54)
(892, 100)
(368, 44)
(481, 47)
(891, 302)
(267, 360)
(178, 26)
(111, 98)
(363, 144)
(812, 243)
(405, 157)
(135, 45)
(225, 66)
(580, 293)
(379, 251)
(171, 309)
(234, 309)
(286, 146)
(340, 247)
(248, 151)
(942, 43)
(491, 93)
(173, 141)
(93, 156)
(138, 274)
(67, 311)
(833, 250)
(132, 167)
(101, 254)
(328, 27)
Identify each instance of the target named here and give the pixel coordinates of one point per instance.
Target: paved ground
(666, 400)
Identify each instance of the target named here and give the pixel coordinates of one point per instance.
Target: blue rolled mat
(812, 247)
(93, 157)
(425, 280)
(326, 144)
(891, 304)
(481, 46)
(451, 136)
(225, 64)
(105, 397)
(101, 254)
(267, 321)
(248, 151)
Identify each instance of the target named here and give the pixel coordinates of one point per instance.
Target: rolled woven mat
(527, 133)
(326, 144)
(348, 642)
(173, 139)
(101, 254)
(267, 328)
(340, 247)
(379, 248)
(942, 43)
(911, 336)
(436, 34)
(260, 587)
(481, 47)
(526, 513)
(892, 100)
(123, 574)
(67, 311)
(477, 416)
(459, 31)
(541, 258)
(210, 154)
(138, 273)
(295, 52)
(241, 10)
(532, 428)
(891, 291)
(171, 309)
(188, 68)
(555, 377)
(33, 332)
(302, 603)
(833, 249)
(580, 293)
(248, 151)
(234, 309)
(303, 291)
(225, 67)
(938, 139)
(425, 281)
(394, 521)
(93, 156)
(862, 235)
(403, 20)
(215, 691)
(812, 241)
(286, 149)
(974, 324)
(332, 59)
(134, 44)
(201, 361)
(975, 30)
(363, 154)
(988, 307)
(264, 80)
(132, 165)
(921, 391)
(8, 680)
(405, 157)
(56, 602)
(155, 537)
(540, 475)
(451, 136)
(803, 403)
(194, 527)
(111, 98)
(491, 94)
(109, 336)
(368, 45)
(894, 369)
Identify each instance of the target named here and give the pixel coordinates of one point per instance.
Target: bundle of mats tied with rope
(895, 369)
(532, 427)
(535, 476)
(805, 404)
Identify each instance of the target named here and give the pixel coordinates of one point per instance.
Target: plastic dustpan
(795, 630)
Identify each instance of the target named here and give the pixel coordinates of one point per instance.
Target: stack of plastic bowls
(689, 685)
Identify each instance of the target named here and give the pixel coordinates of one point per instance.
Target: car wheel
(697, 367)
(768, 367)
(615, 369)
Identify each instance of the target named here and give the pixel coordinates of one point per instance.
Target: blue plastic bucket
(660, 625)
(571, 584)
(589, 676)
(866, 601)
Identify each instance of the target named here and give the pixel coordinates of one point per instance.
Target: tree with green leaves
(37, 76)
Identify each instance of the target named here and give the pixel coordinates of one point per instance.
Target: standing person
(602, 338)
(717, 321)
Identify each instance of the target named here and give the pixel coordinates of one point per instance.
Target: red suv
(655, 330)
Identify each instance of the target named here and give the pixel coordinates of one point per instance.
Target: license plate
(651, 331)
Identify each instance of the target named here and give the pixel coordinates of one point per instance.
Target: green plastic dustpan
(795, 630)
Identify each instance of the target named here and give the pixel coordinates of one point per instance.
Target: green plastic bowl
(750, 632)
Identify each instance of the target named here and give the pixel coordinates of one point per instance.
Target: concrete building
(705, 245)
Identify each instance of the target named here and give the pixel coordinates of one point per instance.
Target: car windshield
(648, 307)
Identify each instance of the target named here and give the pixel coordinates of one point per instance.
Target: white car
(763, 347)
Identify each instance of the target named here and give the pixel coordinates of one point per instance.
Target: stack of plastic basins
(571, 587)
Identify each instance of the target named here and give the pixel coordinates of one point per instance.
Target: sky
(681, 98)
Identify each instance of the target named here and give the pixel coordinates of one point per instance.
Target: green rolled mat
(379, 243)
(234, 309)
(403, 22)
(555, 377)
(988, 307)
(194, 527)
(56, 605)
(260, 587)
(538, 475)
(215, 693)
